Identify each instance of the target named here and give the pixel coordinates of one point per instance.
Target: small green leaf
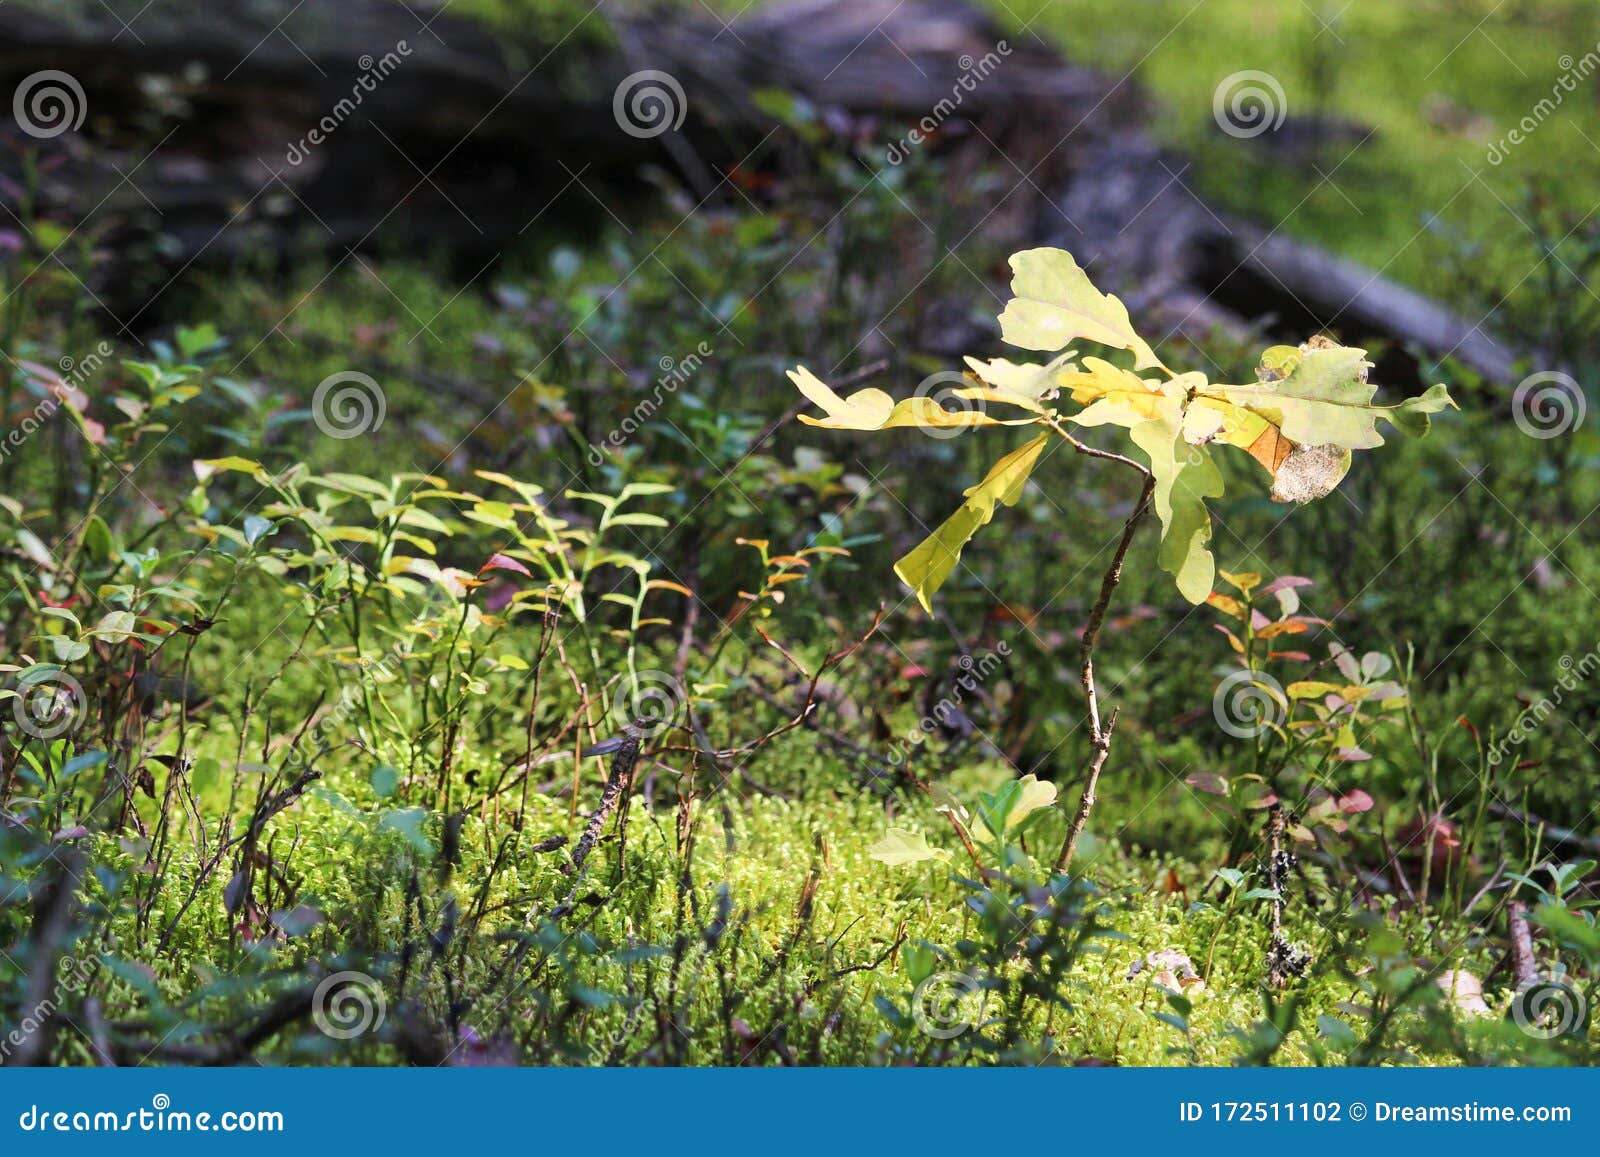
(409, 823)
(385, 781)
(904, 846)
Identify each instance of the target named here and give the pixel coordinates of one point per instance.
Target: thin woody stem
(1100, 736)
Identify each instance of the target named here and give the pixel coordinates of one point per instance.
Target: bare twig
(1100, 737)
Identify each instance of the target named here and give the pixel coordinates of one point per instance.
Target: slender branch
(1100, 737)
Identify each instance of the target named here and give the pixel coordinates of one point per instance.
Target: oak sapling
(1309, 408)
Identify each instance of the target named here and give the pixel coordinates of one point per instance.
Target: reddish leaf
(499, 561)
(1355, 801)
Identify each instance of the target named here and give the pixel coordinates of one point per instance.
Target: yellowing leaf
(1309, 409)
(1054, 304)
(1227, 604)
(1310, 689)
(925, 569)
(873, 409)
(1245, 581)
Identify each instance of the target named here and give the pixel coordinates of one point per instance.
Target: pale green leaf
(1185, 477)
(1055, 304)
(904, 846)
(925, 569)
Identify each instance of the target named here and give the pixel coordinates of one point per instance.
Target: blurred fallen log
(219, 132)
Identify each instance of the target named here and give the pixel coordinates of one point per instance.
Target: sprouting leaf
(925, 569)
(904, 846)
(872, 409)
(1055, 304)
(1115, 397)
